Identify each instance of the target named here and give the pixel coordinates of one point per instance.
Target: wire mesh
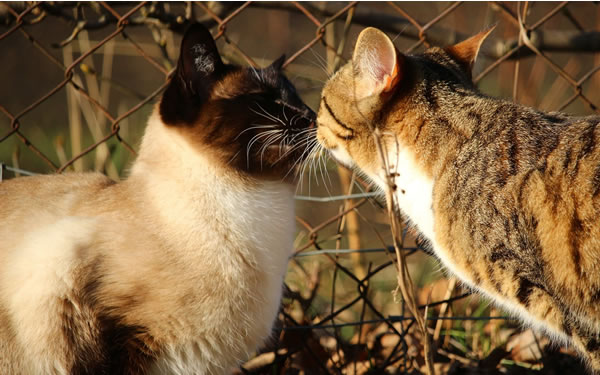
(81, 78)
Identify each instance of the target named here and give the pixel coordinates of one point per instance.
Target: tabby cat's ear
(377, 64)
(199, 64)
(466, 51)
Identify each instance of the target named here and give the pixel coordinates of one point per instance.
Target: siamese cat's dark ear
(377, 64)
(278, 64)
(199, 61)
(198, 68)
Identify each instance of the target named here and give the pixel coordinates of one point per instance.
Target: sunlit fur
(179, 268)
(507, 196)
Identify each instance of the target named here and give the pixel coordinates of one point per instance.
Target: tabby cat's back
(178, 268)
(507, 196)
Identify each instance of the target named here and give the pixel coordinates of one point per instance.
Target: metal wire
(356, 304)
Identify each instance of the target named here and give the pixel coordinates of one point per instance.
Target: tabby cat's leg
(588, 344)
(554, 317)
(540, 307)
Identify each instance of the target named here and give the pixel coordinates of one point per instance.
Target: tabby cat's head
(249, 119)
(384, 89)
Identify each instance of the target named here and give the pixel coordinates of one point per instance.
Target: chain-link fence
(79, 81)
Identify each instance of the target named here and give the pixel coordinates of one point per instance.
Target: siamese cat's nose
(310, 115)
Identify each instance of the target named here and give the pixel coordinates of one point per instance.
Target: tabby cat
(507, 196)
(177, 269)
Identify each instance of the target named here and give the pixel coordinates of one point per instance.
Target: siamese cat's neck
(166, 154)
(187, 191)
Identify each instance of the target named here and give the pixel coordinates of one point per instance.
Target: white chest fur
(414, 189)
(414, 198)
(192, 194)
(235, 237)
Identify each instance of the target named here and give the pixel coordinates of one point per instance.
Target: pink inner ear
(386, 63)
(375, 56)
(378, 62)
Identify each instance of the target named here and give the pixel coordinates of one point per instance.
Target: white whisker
(284, 115)
(322, 63)
(276, 119)
(268, 142)
(304, 159)
(255, 139)
(258, 76)
(260, 126)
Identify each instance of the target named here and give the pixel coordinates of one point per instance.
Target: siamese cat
(179, 267)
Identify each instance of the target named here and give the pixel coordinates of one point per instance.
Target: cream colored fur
(201, 252)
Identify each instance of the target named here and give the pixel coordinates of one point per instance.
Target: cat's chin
(341, 156)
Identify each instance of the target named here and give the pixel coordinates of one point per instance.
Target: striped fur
(508, 196)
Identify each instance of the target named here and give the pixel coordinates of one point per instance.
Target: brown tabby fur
(516, 191)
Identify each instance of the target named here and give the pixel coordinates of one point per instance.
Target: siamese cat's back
(25, 197)
(31, 204)
(42, 242)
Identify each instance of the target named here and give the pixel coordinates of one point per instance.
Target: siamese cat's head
(250, 119)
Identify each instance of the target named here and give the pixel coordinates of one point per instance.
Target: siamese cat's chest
(234, 262)
(206, 210)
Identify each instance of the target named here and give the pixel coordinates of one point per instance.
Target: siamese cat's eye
(299, 111)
